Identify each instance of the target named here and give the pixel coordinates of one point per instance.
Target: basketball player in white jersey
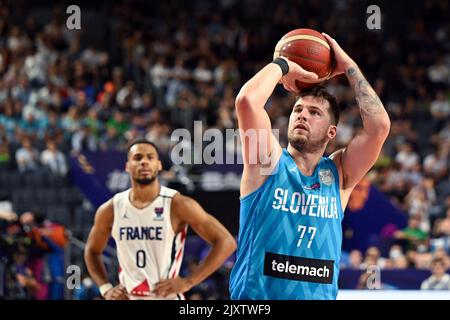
(149, 224)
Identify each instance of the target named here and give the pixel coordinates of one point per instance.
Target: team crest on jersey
(315, 186)
(326, 177)
(158, 214)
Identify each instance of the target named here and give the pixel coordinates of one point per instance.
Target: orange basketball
(310, 50)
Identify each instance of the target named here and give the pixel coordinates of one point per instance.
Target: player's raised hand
(172, 286)
(343, 60)
(295, 73)
(117, 293)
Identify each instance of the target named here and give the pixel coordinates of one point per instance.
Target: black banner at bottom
(207, 309)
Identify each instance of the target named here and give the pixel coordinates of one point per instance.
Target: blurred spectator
(397, 257)
(8, 122)
(128, 98)
(442, 226)
(6, 213)
(423, 259)
(5, 155)
(159, 74)
(355, 259)
(441, 232)
(54, 236)
(406, 157)
(345, 130)
(159, 132)
(441, 253)
(440, 109)
(53, 159)
(202, 72)
(439, 72)
(118, 123)
(50, 237)
(95, 125)
(416, 202)
(110, 140)
(26, 286)
(439, 280)
(412, 234)
(36, 261)
(373, 258)
(401, 262)
(84, 140)
(436, 163)
(70, 122)
(27, 157)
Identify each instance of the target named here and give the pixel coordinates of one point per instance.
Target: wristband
(104, 288)
(282, 64)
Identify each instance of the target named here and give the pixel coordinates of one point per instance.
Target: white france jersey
(148, 250)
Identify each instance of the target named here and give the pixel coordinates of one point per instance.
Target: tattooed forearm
(351, 72)
(368, 101)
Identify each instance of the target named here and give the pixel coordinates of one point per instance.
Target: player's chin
(298, 141)
(146, 180)
(146, 174)
(298, 138)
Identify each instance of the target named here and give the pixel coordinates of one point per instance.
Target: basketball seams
(311, 59)
(305, 37)
(285, 41)
(306, 58)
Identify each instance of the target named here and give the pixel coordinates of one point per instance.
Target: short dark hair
(142, 141)
(321, 92)
(437, 260)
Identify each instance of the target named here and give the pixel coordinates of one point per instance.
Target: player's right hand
(117, 293)
(343, 60)
(295, 73)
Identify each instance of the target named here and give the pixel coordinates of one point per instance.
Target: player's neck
(305, 161)
(143, 194)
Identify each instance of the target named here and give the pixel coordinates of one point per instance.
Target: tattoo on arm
(367, 99)
(351, 72)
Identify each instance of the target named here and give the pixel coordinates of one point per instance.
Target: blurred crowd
(31, 257)
(154, 68)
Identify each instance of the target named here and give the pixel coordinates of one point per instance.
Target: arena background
(70, 100)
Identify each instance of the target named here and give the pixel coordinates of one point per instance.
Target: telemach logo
(297, 268)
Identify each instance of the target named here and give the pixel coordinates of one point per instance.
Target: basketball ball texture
(309, 49)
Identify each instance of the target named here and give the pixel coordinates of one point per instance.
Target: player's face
(143, 163)
(310, 126)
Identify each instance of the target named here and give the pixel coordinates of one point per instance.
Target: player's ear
(332, 130)
(159, 166)
(126, 167)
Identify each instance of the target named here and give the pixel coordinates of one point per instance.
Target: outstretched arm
(363, 150)
(187, 211)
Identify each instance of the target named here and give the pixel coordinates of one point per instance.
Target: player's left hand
(170, 286)
(296, 72)
(343, 60)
